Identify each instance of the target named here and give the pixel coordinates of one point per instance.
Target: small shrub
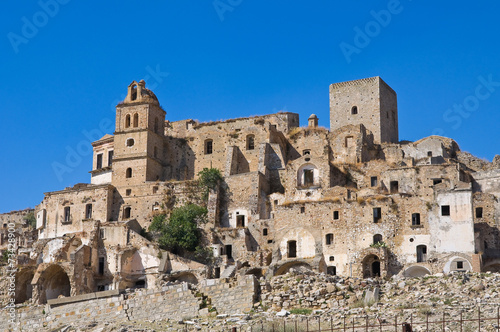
(301, 311)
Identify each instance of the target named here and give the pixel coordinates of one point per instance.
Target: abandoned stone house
(352, 200)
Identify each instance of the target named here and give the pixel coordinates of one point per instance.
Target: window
(128, 192)
(264, 232)
(67, 214)
(302, 209)
(88, 211)
(134, 93)
(110, 157)
(308, 177)
(130, 142)
(101, 265)
(250, 142)
(329, 239)
(335, 215)
(136, 120)
(127, 212)
(460, 265)
(377, 214)
(445, 210)
(229, 251)
(306, 152)
(127, 121)
(331, 258)
(349, 141)
(128, 173)
(354, 110)
(415, 219)
(377, 238)
(429, 153)
(373, 181)
(209, 146)
(155, 189)
(394, 187)
(102, 234)
(436, 181)
(479, 212)
(275, 202)
(99, 161)
(421, 253)
(331, 270)
(292, 249)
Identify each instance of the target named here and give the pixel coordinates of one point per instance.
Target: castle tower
(370, 102)
(139, 136)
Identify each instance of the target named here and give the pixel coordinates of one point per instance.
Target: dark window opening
(101, 265)
(264, 232)
(415, 219)
(217, 273)
(140, 284)
(67, 214)
(373, 181)
(445, 210)
(269, 241)
(275, 202)
(240, 221)
(421, 253)
(306, 152)
(208, 146)
(128, 192)
(134, 93)
(479, 212)
(130, 142)
(460, 265)
(331, 258)
(128, 173)
(377, 238)
(88, 211)
(437, 181)
(229, 251)
(329, 239)
(331, 270)
(155, 189)
(308, 177)
(127, 212)
(292, 249)
(136, 120)
(110, 157)
(377, 214)
(127, 121)
(394, 187)
(354, 110)
(101, 233)
(99, 161)
(250, 142)
(429, 153)
(335, 215)
(302, 209)
(376, 269)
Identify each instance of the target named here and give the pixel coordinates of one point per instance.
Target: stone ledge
(83, 297)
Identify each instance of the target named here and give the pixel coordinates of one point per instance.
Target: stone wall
(180, 301)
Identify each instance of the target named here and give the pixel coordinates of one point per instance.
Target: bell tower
(139, 136)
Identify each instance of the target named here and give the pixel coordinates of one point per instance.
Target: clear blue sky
(64, 68)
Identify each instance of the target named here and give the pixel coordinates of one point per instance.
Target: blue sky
(66, 63)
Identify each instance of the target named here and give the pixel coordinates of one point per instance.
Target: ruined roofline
(18, 211)
(362, 82)
(79, 187)
(211, 123)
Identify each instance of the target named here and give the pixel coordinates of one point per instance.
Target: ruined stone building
(352, 200)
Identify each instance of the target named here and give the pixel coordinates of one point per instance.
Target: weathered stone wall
(231, 298)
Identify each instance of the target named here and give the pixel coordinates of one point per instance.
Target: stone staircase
(228, 272)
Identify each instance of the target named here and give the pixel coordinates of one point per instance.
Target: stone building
(352, 200)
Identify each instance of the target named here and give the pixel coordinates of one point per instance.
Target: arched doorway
(24, 290)
(56, 283)
(371, 266)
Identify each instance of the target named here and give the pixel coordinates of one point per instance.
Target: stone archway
(297, 265)
(55, 283)
(416, 271)
(24, 289)
(188, 277)
(371, 266)
(257, 272)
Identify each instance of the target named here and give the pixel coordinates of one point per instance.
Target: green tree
(209, 179)
(181, 231)
(30, 219)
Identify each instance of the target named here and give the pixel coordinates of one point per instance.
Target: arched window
(128, 173)
(307, 176)
(332, 258)
(127, 121)
(156, 125)
(127, 212)
(209, 146)
(136, 120)
(377, 238)
(329, 239)
(134, 93)
(354, 110)
(250, 142)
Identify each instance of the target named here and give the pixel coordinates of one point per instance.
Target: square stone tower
(370, 102)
